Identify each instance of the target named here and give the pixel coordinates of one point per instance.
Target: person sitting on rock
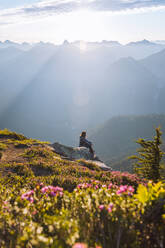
(86, 143)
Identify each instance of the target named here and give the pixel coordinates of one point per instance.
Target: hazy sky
(91, 20)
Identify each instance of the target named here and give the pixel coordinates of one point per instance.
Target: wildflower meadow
(46, 201)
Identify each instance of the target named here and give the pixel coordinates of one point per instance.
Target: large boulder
(72, 153)
(76, 153)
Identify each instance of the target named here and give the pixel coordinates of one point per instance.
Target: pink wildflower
(84, 185)
(97, 181)
(110, 207)
(130, 190)
(125, 189)
(34, 212)
(61, 194)
(101, 207)
(44, 189)
(79, 186)
(28, 196)
(80, 245)
(53, 191)
(110, 186)
(5, 204)
(122, 189)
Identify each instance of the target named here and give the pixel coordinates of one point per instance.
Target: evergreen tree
(149, 157)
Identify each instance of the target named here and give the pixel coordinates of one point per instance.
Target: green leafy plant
(149, 157)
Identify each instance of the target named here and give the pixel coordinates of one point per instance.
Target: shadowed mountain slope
(116, 139)
(155, 63)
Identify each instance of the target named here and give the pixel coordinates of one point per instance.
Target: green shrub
(41, 169)
(18, 168)
(11, 135)
(38, 152)
(28, 143)
(149, 157)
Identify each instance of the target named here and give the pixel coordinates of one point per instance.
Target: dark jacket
(84, 142)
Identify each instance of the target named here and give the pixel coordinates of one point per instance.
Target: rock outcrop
(76, 153)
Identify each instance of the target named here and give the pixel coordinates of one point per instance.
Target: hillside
(32, 158)
(116, 139)
(47, 201)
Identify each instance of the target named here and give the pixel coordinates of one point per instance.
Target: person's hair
(83, 134)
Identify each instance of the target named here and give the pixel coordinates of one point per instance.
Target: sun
(83, 46)
(79, 25)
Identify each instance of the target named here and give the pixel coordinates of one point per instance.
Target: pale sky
(90, 20)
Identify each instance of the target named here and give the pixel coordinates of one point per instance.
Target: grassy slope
(25, 160)
(93, 214)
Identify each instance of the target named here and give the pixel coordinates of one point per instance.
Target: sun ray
(83, 46)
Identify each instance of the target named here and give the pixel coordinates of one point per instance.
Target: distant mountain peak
(25, 43)
(160, 42)
(40, 43)
(66, 42)
(141, 43)
(8, 42)
(111, 42)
